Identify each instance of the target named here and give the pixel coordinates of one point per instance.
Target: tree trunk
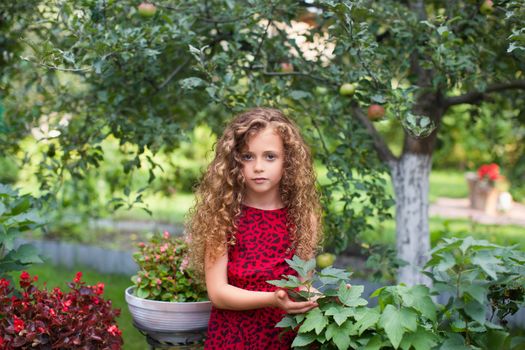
(410, 178)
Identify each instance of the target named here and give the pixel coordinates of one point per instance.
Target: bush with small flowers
(164, 274)
(44, 319)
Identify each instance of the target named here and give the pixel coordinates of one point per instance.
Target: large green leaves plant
(484, 283)
(17, 214)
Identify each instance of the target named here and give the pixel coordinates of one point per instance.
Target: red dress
(262, 244)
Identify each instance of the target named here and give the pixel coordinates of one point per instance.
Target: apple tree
(145, 73)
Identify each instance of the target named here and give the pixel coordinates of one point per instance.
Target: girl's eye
(246, 157)
(271, 156)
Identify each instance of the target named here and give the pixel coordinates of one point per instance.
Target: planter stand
(172, 340)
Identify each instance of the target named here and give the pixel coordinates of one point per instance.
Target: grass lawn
(443, 227)
(56, 276)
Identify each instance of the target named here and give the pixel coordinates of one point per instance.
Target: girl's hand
(284, 302)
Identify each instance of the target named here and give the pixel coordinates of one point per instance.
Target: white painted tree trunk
(410, 178)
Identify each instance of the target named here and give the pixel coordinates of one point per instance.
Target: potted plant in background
(485, 187)
(166, 302)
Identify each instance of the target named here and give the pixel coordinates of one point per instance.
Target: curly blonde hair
(211, 223)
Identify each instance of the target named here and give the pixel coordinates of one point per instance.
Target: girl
(256, 206)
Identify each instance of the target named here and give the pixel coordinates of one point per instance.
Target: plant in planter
(485, 187)
(166, 301)
(43, 319)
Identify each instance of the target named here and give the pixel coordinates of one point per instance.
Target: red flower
(4, 284)
(489, 171)
(99, 288)
(113, 330)
(1, 341)
(77, 278)
(25, 279)
(18, 324)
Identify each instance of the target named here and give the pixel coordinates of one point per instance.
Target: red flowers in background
(489, 172)
(78, 319)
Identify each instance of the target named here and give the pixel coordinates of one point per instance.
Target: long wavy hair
(211, 222)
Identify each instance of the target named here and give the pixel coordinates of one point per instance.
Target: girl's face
(263, 161)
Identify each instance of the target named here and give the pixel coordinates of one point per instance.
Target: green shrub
(9, 173)
(17, 214)
(484, 283)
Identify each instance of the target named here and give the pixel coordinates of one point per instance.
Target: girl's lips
(259, 180)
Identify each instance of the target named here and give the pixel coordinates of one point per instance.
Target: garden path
(459, 208)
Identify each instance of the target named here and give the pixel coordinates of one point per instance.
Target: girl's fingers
(301, 307)
(302, 310)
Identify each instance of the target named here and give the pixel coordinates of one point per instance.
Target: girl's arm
(226, 296)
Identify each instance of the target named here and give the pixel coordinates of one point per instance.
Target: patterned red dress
(262, 244)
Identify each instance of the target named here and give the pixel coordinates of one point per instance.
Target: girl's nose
(258, 165)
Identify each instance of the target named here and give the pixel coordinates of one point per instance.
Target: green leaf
(476, 311)
(142, 293)
(341, 340)
(303, 339)
(454, 341)
(476, 291)
(287, 321)
(395, 322)
(315, 320)
(339, 313)
(375, 343)
(301, 266)
(2, 208)
(299, 94)
(340, 335)
(418, 297)
(422, 339)
(489, 263)
(366, 318)
(351, 296)
(25, 254)
(331, 275)
(191, 83)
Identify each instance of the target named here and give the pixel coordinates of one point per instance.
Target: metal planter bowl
(164, 317)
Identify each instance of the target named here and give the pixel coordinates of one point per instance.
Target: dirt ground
(460, 209)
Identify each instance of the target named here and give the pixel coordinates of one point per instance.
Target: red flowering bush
(43, 319)
(489, 172)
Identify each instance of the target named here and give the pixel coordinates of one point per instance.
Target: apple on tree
(487, 7)
(325, 260)
(146, 10)
(375, 112)
(347, 89)
(286, 67)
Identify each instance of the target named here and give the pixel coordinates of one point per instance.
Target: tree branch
(477, 96)
(172, 75)
(385, 154)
